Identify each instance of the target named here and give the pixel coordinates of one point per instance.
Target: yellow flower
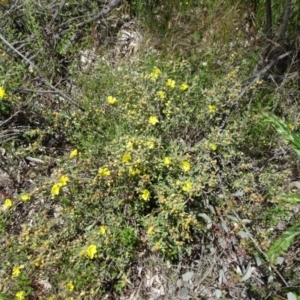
(25, 197)
(187, 186)
(111, 100)
(70, 286)
(73, 153)
(185, 166)
(126, 158)
(157, 246)
(91, 251)
(17, 271)
(183, 86)
(153, 120)
(145, 195)
(102, 229)
(212, 146)
(2, 92)
(155, 73)
(134, 171)
(161, 95)
(212, 109)
(63, 180)
(150, 230)
(55, 189)
(20, 295)
(151, 144)
(170, 83)
(8, 203)
(103, 172)
(167, 161)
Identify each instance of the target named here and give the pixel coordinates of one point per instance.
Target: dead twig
(44, 80)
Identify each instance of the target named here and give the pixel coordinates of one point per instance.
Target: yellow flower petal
(185, 166)
(153, 120)
(25, 197)
(91, 251)
(8, 203)
(2, 92)
(145, 195)
(73, 153)
(111, 100)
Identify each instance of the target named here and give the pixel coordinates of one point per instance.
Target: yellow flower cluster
(155, 73)
(55, 190)
(170, 83)
(103, 172)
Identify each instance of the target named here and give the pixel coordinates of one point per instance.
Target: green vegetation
(168, 151)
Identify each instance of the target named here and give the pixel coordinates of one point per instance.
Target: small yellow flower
(20, 295)
(63, 180)
(70, 286)
(111, 100)
(8, 203)
(91, 251)
(25, 197)
(183, 87)
(2, 92)
(187, 186)
(103, 172)
(161, 95)
(151, 144)
(167, 161)
(73, 153)
(170, 83)
(155, 73)
(185, 166)
(17, 271)
(153, 120)
(290, 126)
(126, 158)
(102, 229)
(212, 109)
(157, 246)
(212, 146)
(134, 171)
(145, 195)
(55, 190)
(150, 230)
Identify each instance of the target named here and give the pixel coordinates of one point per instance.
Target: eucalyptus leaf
(243, 234)
(179, 283)
(248, 273)
(238, 193)
(218, 293)
(184, 293)
(258, 261)
(187, 276)
(207, 219)
(246, 221)
(291, 296)
(232, 218)
(279, 260)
